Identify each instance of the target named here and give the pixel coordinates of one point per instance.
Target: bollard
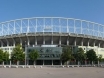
(16, 66)
(9, 66)
(28, 66)
(4, 66)
(34, 66)
(22, 66)
(40, 66)
(72, 66)
(67, 66)
(63, 66)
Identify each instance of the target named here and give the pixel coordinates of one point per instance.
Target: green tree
(33, 55)
(6, 56)
(1, 55)
(80, 55)
(91, 55)
(66, 54)
(100, 58)
(18, 54)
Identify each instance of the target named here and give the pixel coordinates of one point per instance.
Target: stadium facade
(49, 34)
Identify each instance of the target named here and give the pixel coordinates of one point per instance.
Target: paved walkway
(47, 72)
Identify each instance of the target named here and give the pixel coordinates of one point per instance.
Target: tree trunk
(3, 63)
(78, 62)
(10, 62)
(92, 62)
(34, 62)
(85, 62)
(17, 63)
(98, 63)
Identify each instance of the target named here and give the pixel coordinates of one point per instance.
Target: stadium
(49, 34)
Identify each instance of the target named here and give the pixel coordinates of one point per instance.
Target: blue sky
(91, 10)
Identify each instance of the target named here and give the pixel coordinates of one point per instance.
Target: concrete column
(88, 43)
(61, 62)
(1, 44)
(52, 62)
(28, 43)
(99, 45)
(35, 41)
(44, 40)
(67, 41)
(75, 42)
(27, 61)
(21, 43)
(94, 44)
(7, 42)
(82, 43)
(43, 62)
(14, 44)
(52, 41)
(10, 62)
(60, 43)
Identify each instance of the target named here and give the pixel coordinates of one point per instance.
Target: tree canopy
(1, 55)
(91, 55)
(6, 56)
(18, 54)
(80, 55)
(33, 55)
(66, 54)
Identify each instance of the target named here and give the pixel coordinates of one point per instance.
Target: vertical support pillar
(82, 42)
(99, 45)
(27, 61)
(14, 44)
(14, 28)
(94, 44)
(44, 40)
(35, 41)
(43, 62)
(52, 41)
(75, 42)
(1, 43)
(20, 41)
(103, 45)
(67, 27)
(88, 43)
(61, 62)
(67, 41)
(28, 41)
(52, 62)
(74, 27)
(81, 27)
(7, 43)
(10, 63)
(60, 41)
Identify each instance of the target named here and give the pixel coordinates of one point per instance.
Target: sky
(91, 10)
